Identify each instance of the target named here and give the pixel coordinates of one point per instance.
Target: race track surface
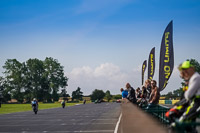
(88, 118)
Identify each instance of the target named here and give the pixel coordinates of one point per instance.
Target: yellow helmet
(185, 65)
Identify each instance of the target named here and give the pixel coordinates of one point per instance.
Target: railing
(159, 111)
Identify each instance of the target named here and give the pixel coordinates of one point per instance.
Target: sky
(101, 43)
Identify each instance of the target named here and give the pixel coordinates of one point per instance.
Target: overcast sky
(101, 43)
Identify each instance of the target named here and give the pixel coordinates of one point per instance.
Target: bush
(72, 101)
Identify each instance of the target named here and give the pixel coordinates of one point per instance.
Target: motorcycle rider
(34, 104)
(84, 101)
(63, 103)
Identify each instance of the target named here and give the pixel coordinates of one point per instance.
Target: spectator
(144, 92)
(142, 101)
(124, 95)
(155, 95)
(138, 93)
(131, 93)
(147, 85)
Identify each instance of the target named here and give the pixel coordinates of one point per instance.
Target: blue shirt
(124, 94)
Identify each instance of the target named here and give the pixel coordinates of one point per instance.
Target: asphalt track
(88, 118)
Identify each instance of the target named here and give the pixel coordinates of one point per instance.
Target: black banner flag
(144, 65)
(166, 57)
(151, 64)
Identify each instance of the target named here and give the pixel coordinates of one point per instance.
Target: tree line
(39, 79)
(32, 79)
(96, 95)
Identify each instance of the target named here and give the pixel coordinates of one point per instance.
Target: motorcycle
(84, 101)
(63, 105)
(35, 109)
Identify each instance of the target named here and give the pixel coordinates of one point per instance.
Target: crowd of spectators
(186, 110)
(147, 96)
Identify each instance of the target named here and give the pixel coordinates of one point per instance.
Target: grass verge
(11, 108)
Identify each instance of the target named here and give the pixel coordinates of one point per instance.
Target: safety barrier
(159, 111)
(182, 127)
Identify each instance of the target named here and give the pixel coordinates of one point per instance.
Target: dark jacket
(131, 95)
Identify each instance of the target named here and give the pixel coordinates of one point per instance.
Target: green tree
(6, 95)
(169, 95)
(108, 96)
(118, 96)
(196, 64)
(14, 78)
(77, 94)
(55, 75)
(1, 89)
(177, 93)
(64, 93)
(36, 80)
(97, 94)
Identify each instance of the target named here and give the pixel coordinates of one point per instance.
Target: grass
(11, 108)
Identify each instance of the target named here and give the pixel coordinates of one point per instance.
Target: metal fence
(158, 111)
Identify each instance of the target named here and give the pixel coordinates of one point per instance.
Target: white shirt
(193, 87)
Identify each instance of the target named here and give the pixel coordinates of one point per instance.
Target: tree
(34, 79)
(118, 96)
(64, 93)
(1, 89)
(55, 74)
(108, 96)
(77, 94)
(177, 93)
(196, 64)
(97, 94)
(14, 78)
(6, 96)
(169, 95)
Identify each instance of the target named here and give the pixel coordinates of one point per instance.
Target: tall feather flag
(151, 64)
(166, 57)
(144, 65)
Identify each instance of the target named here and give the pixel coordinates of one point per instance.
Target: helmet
(34, 99)
(185, 65)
